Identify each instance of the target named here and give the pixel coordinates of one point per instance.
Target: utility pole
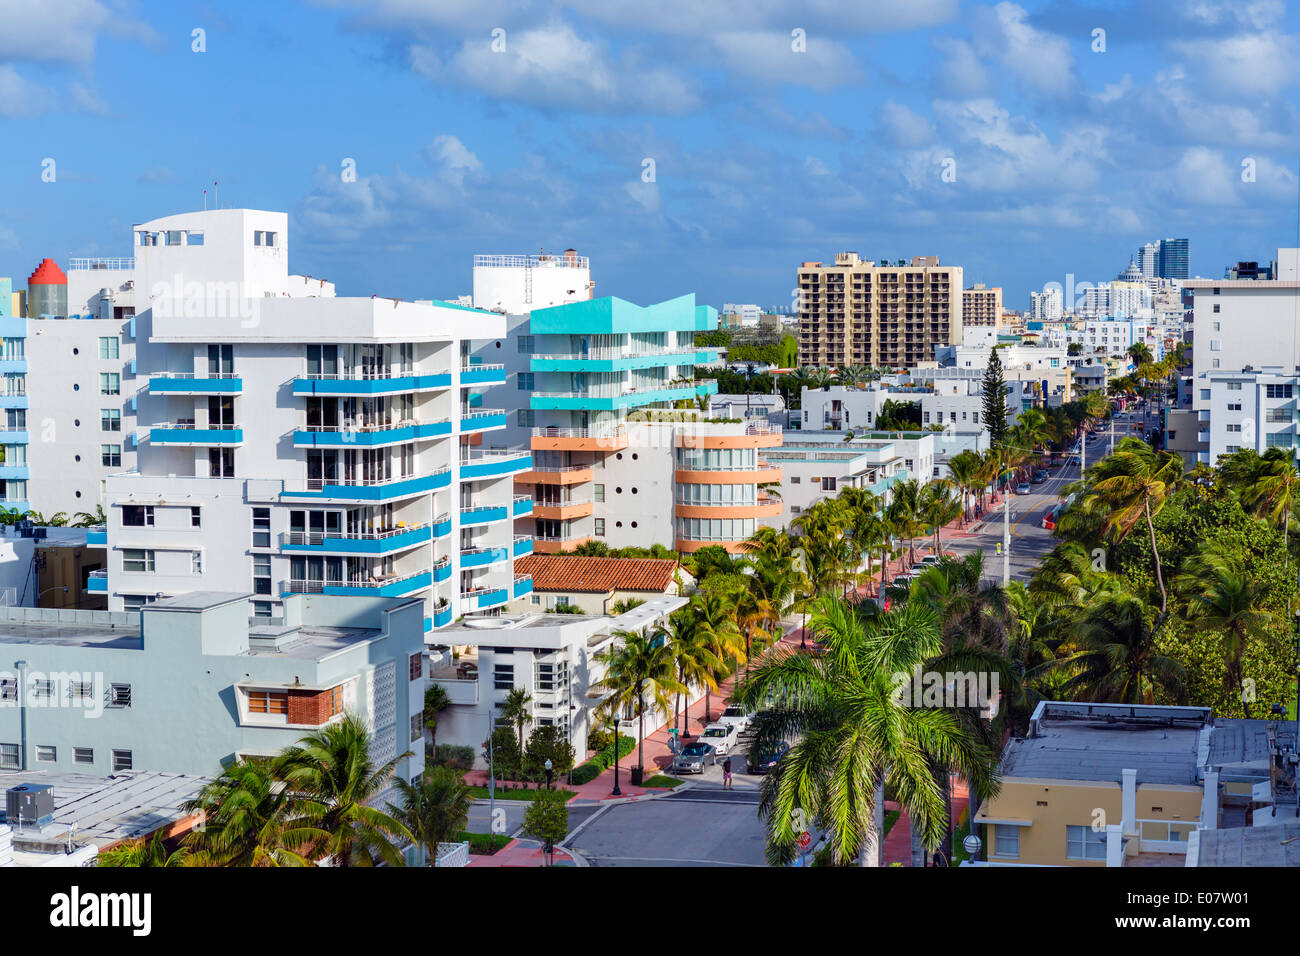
(1006, 532)
(492, 774)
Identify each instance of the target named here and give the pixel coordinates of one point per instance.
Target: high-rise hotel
(294, 442)
(858, 312)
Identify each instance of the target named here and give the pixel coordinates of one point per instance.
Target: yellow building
(982, 306)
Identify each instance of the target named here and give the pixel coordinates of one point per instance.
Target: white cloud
(961, 73)
(901, 126)
(1202, 177)
(1040, 61)
(768, 55)
(20, 97)
(62, 31)
(1255, 64)
(452, 158)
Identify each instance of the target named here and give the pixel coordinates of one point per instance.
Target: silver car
(694, 757)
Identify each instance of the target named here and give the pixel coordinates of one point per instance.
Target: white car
(736, 717)
(721, 737)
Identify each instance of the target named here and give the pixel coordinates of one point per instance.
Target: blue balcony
(17, 505)
(619, 360)
(483, 375)
(482, 420)
(483, 598)
(373, 490)
(523, 545)
(485, 515)
(97, 582)
(397, 587)
(442, 616)
(14, 471)
(482, 557)
(523, 585)
(97, 536)
(442, 526)
(14, 438)
(382, 385)
(14, 401)
(522, 505)
(16, 366)
(368, 543)
(485, 465)
(576, 401)
(369, 436)
(176, 435)
(442, 570)
(191, 384)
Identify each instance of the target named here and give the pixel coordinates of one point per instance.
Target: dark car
(762, 763)
(694, 757)
(1039, 477)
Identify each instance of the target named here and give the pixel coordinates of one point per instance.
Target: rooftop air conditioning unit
(29, 804)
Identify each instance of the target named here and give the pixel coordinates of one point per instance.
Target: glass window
(261, 574)
(525, 381)
(1006, 841)
(525, 344)
(83, 755)
(137, 559)
(1084, 843)
(121, 760)
(110, 383)
(47, 753)
(110, 419)
(137, 516)
(110, 455)
(109, 347)
(261, 527)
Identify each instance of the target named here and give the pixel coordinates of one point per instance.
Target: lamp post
(548, 766)
(972, 843)
(616, 791)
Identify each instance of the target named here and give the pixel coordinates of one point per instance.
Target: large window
(137, 516)
(1006, 841)
(110, 383)
(525, 381)
(137, 559)
(1084, 843)
(262, 528)
(268, 702)
(110, 456)
(110, 419)
(108, 347)
(221, 463)
(1277, 391)
(503, 676)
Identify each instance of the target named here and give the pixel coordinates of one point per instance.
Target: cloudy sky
(683, 145)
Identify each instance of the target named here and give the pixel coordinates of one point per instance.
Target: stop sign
(805, 840)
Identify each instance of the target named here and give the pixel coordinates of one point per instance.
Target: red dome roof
(47, 273)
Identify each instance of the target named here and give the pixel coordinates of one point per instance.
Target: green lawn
(484, 844)
(662, 780)
(481, 793)
(891, 817)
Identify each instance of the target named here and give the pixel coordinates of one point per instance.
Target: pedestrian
(726, 774)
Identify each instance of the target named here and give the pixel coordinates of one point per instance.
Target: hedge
(450, 755)
(598, 764)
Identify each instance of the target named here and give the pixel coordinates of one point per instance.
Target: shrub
(506, 757)
(547, 743)
(598, 764)
(457, 758)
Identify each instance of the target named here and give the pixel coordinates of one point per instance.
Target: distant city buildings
(981, 305)
(1163, 259)
(1046, 306)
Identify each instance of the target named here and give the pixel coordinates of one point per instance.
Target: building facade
(856, 312)
(981, 305)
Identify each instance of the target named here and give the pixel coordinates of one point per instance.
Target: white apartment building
(1046, 306)
(1250, 408)
(745, 316)
(295, 442)
(518, 284)
(817, 468)
(955, 403)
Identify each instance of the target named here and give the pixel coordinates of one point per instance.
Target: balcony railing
(371, 374)
(314, 586)
(321, 537)
(193, 375)
(316, 484)
(560, 469)
(486, 367)
(481, 412)
(94, 263)
(615, 431)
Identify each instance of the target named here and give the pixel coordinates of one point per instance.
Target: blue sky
(1066, 158)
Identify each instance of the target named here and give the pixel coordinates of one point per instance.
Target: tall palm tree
(697, 665)
(435, 809)
(515, 710)
(333, 781)
(855, 735)
(1120, 660)
(640, 673)
(245, 812)
(905, 513)
(1276, 492)
(715, 625)
(89, 519)
(1223, 598)
(1131, 485)
(964, 469)
(939, 505)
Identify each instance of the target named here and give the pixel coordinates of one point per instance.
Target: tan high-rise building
(981, 305)
(856, 312)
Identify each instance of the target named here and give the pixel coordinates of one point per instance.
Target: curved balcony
(557, 475)
(483, 375)
(395, 432)
(395, 586)
(360, 543)
(442, 569)
(483, 419)
(485, 514)
(482, 557)
(369, 490)
(523, 545)
(442, 616)
(189, 434)
(523, 585)
(195, 383)
(478, 599)
(494, 464)
(97, 582)
(371, 382)
(442, 525)
(561, 509)
(522, 505)
(579, 439)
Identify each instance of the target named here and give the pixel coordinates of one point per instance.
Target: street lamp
(616, 791)
(548, 766)
(972, 843)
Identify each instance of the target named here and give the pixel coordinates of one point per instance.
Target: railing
(441, 563)
(386, 426)
(190, 426)
(193, 375)
(300, 586)
(481, 412)
(530, 262)
(557, 432)
(316, 484)
(485, 367)
(476, 509)
(488, 454)
(320, 537)
(617, 353)
(452, 854)
(559, 469)
(371, 374)
(101, 263)
(551, 502)
(518, 498)
(762, 428)
(98, 575)
(465, 552)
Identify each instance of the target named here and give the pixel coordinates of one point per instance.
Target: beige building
(856, 312)
(981, 305)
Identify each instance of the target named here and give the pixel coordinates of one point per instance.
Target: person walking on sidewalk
(726, 774)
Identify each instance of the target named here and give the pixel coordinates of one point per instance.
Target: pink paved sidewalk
(520, 853)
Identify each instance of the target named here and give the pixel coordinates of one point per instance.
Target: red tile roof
(557, 572)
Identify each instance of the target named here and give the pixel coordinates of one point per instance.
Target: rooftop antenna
(205, 200)
(216, 195)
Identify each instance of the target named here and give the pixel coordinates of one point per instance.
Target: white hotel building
(291, 441)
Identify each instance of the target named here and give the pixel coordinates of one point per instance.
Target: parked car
(722, 737)
(694, 757)
(903, 580)
(1022, 488)
(1039, 477)
(737, 717)
(762, 763)
(928, 560)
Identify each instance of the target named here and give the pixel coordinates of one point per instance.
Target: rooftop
(597, 575)
(1276, 845)
(69, 628)
(306, 643)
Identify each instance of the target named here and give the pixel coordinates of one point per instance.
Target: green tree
(146, 851)
(436, 700)
(1120, 659)
(434, 810)
(640, 673)
(995, 393)
(548, 743)
(516, 710)
(547, 818)
(246, 821)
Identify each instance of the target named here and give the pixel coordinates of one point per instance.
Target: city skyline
(1069, 148)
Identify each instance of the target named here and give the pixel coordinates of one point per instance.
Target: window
(268, 702)
(8, 688)
(1281, 414)
(828, 484)
(416, 666)
(1278, 440)
(137, 516)
(526, 418)
(137, 559)
(261, 527)
(1214, 363)
(600, 527)
(221, 463)
(110, 419)
(261, 574)
(525, 343)
(1277, 391)
(1216, 309)
(1232, 449)
(194, 239)
(43, 688)
(261, 238)
(1084, 843)
(598, 493)
(108, 347)
(1006, 841)
(119, 695)
(334, 704)
(80, 690)
(83, 755)
(8, 756)
(196, 517)
(1234, 427)
(524, 381)
(133, 602)
(1216, 345)
(1234, 406)
(1231, 386)
(503, 676)
(110, 383)
(795, 479)
(110, 456)
(196, 562)
(47, 753)
(121, 760)
(261, 609)
(417, 725)
(1218, 327)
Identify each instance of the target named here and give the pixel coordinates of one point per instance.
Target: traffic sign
(805, 840)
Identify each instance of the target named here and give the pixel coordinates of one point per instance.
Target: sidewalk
(520, 853)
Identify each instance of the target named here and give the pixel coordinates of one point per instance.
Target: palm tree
(1132, 484)
(515, 710)
(1140, 353)
(855, 735)
(697, 665)
(146, 851)
(905, 513)
(435, 809)
(1223, 598)
(640, 672)
(1120, 660)
(938, 507)
(86, 519)
(333, 781)
(1275, 493)
(715, 625)
(245, 812)
(964, 470)
(436, 700)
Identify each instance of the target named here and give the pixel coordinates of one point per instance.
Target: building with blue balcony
(293, 442)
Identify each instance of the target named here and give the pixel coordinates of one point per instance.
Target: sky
(684, 145)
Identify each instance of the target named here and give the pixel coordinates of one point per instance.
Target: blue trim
(442, 573)
(372, 493)
(169, 385)
(393, 589)
(14, 438)
(483, 422)
(15, 471)
(484, 558)
(523, 587)
(442, 616)
(496, 466)
(669, 357)
(14, 401)
(491, 598)
(13, 365)
(482, 376)
(523, 507)
(483, 516)
(196, 436)
(373, 546)
(523, 547)
(371, 386)
(388, 436)
(97, 585)
(99, 536)
(442, 528)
